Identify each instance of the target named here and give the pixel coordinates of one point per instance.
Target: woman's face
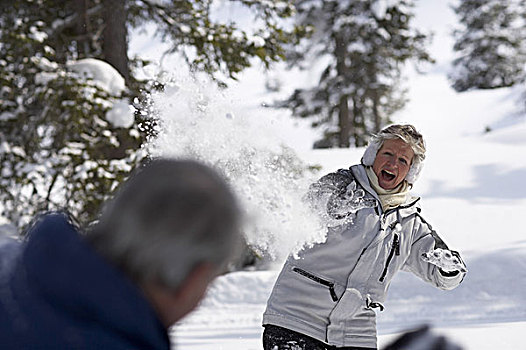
(392, 163)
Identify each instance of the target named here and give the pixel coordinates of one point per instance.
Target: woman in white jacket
(325, 298)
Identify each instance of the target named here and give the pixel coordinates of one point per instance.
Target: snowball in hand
(444, 259)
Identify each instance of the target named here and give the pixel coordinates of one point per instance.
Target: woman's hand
(447, 260)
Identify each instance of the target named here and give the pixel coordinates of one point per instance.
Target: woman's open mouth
(387, 175)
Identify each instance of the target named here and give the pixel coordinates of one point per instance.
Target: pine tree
(217, 47)
(59, 143)
(57, 148)
(366, 46)
(491, 47)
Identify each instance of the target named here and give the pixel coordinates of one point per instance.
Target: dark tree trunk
(115, 37)
(358, 121)
(374, 93)
(343, 106)
(82, 28)
(345, 125)
(376, 112)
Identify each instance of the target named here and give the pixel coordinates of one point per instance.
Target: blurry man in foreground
(165, 236)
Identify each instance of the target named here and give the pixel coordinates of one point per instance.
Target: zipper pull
(396, 244)
(333, 293)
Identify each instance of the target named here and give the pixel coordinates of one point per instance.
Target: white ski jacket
(330, 291)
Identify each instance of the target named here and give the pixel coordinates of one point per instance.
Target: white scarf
(388, 198)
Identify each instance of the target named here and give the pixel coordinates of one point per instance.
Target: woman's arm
(425, 241)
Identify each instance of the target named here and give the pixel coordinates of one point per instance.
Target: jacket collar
(63, 270)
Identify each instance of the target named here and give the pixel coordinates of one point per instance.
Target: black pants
(279, 338)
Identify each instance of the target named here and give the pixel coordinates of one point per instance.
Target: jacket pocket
(319, 280)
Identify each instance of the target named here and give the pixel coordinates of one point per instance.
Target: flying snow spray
(197, 121)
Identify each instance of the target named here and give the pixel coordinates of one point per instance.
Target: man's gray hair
(406, 133)
(166, 219)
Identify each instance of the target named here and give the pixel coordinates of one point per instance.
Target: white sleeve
(426, 239)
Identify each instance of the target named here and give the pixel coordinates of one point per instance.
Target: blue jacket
(57, 293)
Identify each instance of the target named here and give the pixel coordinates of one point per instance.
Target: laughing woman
(326, 298)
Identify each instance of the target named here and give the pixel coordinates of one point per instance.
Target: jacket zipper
(395, 249)
(401, 207)
(318, 280)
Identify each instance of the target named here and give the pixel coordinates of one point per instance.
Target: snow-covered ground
(472, 190)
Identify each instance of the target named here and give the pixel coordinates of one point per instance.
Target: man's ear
(194, 286)
(172, 305)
